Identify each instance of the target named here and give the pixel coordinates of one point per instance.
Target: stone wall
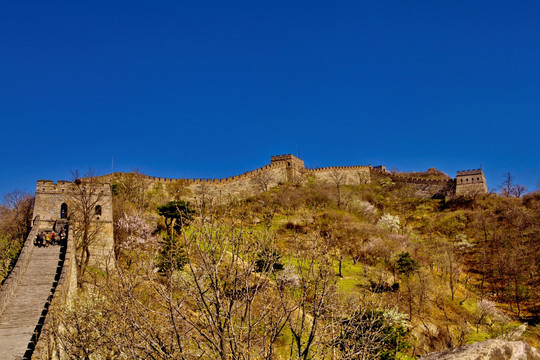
(283, 168)
(424, 188)
(344, 175)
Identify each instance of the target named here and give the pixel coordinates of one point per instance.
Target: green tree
(172, 255)
(405, 264)
(177, 213)
(372, 334)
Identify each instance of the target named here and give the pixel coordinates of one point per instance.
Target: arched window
(63, 211)
(98, 210)
(461, 180)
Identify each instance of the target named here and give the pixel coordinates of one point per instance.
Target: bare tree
(86, 199)
(338, 179)
(178, 189)
(262, 180)
(518, 190)
(16, 214)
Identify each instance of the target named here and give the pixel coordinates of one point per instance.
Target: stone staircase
(26, 310)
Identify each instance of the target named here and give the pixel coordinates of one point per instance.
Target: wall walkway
(26, 304)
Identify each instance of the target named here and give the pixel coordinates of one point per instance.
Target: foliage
(9, 250)
(177, 214)
(15, 225)
(389, 222)
(372, 334)
(405, 264)
(268, 259)
(460, 266)
(172, 256)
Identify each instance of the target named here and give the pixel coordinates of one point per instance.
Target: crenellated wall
(289, 168)
(344, 175)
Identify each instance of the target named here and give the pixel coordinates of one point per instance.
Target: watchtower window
(63, 211)
(98, 210)
(461, 180)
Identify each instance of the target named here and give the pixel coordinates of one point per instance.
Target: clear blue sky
(212, 89)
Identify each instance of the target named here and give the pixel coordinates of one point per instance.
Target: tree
(405, 264)
(262, 180)
(372, 333)
(338, 179)
(508, 188)
(133, 233)
(85, 196)
(507, 185)
(178, 189)
(177, 213)
(172, 255)
(133, 187)
(15, 225)
(16, 214)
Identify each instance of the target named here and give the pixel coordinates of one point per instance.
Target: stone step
(18, 321)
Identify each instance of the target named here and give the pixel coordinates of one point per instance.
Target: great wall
(25, 297)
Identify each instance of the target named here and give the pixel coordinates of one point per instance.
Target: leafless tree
(338, 179)
(86, 197)
(518, 190)
(262, 180)
(16, 214)
(178, 189)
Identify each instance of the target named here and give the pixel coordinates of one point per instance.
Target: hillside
(308, 269)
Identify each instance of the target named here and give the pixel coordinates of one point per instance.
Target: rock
(495, 349)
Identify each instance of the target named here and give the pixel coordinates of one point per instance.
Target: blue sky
(213, 89)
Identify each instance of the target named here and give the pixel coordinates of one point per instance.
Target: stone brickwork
(344, 175)
(471, 182)
(289, 168)
(424, 188)
(55, 202)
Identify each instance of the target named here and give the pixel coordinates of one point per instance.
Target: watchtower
(60, 203)
(294, 166)
(471, 182)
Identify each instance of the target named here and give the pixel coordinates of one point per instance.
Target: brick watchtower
(471, 182)
(294, 166)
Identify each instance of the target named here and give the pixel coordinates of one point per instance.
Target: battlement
(61, 186)
(470, 172)
(288, 167)
(290, 158)
(337, 168)
(381, 170)
(469, 182)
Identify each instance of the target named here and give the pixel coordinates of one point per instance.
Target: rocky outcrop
(495, 349)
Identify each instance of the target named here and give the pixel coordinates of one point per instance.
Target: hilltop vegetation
(307, 270)
(15, 224)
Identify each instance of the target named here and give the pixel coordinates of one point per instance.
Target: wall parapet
(412, 180)
(470, 172)
(212, 181)
(10, 284)
(337, 168)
